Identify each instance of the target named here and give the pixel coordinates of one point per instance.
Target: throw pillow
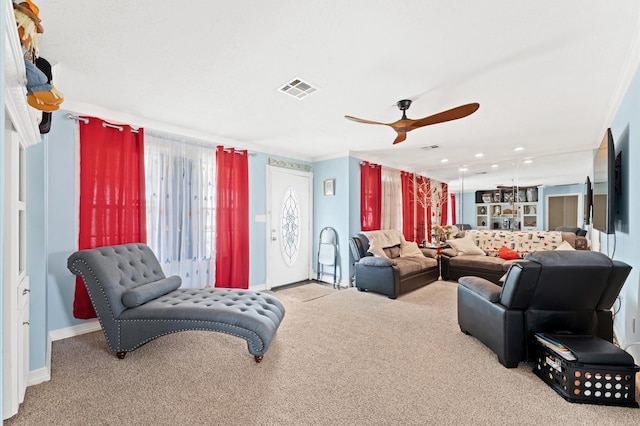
(410, 249)
(508, 254)
(136, 296)
(465, 247)
(565, 246)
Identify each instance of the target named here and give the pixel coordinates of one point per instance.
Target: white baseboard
(76, 330)
(38, 376)
(43, 374)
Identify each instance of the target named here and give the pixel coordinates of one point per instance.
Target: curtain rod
(151, 132)
(75, 117)
(85, 120)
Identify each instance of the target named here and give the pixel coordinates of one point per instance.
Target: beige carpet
(348, 358)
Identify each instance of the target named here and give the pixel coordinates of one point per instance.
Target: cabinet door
(15, 281)
(22, 326)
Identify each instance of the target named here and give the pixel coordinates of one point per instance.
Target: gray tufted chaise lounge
(135, 302)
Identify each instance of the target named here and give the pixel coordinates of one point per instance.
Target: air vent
(298, 88)
(428, 147)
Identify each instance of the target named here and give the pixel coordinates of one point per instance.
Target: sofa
(489, 253)
(386, 263)
(551, 292)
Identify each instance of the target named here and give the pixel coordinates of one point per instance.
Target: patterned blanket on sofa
(523, 242)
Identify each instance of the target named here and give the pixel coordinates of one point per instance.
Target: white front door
(289, 200)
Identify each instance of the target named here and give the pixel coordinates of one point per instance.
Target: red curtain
(408, 207)
(370, 196)
(444, 208)
(112, 194)
(232, 218)
(453, 209)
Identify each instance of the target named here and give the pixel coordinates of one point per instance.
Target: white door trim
(270, 169)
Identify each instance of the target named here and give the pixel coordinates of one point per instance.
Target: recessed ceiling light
(518, 148)
(463, 169)
(479, 155)
(528, 161)
(494, 166)
(444, 160)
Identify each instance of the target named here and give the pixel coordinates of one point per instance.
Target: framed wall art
(329, 187)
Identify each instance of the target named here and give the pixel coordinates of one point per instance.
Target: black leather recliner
(550, 291)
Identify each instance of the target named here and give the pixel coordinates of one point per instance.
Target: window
(180, 193)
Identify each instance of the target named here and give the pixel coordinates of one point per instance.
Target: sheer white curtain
(180, 193)
(391, 199)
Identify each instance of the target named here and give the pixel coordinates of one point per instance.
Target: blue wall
(625, 245)
(333, 211)
(468, 214)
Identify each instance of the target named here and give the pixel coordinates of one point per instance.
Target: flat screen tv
(604, 177)
(588, 201)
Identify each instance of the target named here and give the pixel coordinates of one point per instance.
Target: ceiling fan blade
(401, 136)
(361, 120)
(448, 115)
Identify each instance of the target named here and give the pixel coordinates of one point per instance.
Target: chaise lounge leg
(121, 355)
(258, 358)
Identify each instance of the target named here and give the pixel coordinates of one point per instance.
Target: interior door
(289, 221)
(563, 210)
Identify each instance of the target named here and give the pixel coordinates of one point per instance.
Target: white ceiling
(549, 76)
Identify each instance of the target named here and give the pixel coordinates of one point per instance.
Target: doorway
(564, 210)
(289, 207)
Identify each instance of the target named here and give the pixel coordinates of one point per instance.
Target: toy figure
(41, 94)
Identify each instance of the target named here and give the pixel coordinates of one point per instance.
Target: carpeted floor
(346, 358)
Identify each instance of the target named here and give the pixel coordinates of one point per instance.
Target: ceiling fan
(405, 124)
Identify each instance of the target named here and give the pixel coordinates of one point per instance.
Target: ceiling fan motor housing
(404, 104)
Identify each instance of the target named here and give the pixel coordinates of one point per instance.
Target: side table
(438, 247)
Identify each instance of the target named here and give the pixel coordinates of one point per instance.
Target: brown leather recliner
(550, 291)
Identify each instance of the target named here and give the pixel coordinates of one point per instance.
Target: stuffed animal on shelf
(41, 94)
